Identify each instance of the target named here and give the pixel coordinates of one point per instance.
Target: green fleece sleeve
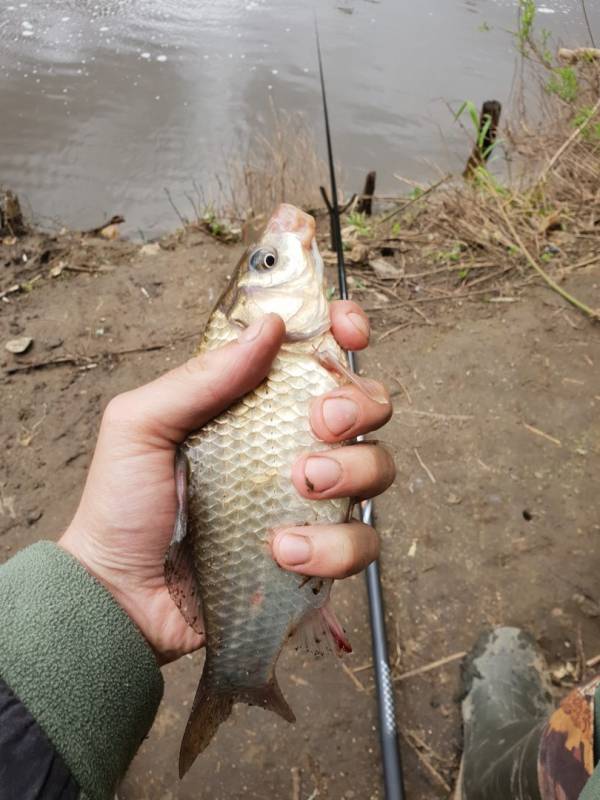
(78, 663)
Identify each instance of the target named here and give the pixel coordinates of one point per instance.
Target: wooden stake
(365, 202)
(486, 137)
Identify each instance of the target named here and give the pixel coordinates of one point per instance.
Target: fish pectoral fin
(179, 572)
(320, 632)
(211, 708)
(327, 358)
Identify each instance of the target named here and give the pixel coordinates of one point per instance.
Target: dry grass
(280, 164)
(485, 237)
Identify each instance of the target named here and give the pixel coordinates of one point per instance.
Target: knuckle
(116, 412)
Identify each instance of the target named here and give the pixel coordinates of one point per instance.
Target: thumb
(187, 397)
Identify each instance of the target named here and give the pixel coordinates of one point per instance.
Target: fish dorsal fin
(179, 573)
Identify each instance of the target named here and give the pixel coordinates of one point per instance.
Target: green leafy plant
(359, 223)
(527, 11)
(564, 83)
(591, 132)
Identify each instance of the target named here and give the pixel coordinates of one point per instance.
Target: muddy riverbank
(493, 517)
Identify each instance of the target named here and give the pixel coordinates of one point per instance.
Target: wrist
(79, 548)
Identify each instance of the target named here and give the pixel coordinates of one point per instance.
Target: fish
(233, 480)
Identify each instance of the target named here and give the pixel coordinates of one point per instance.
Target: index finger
(349, 324)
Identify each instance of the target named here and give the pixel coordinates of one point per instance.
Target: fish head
(282, 274)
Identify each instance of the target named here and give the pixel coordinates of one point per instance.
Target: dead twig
(86, 362)
(414, 200)
(434, 415)
(353, 678)
(566, 144)
(296, 787)
(590, 312)
(426, 762)
(441, 662)
(430, 474)
(541, 433)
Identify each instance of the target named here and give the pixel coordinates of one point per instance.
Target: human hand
(124, 522)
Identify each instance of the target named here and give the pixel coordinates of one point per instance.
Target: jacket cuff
(78, 663)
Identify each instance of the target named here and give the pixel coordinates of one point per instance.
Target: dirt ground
(494, 516)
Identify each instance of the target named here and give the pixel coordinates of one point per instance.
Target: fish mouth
(289, 219)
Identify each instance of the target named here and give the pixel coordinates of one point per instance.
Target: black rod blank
(388, 733)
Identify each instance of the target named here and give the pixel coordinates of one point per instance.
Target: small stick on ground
(426, 763)
(581, 662)
(353, 678)
(296, 787)
(441, 662)
(547, 436)
(433, 415)
(86, 361)
(430, 474)
(393, 330)
(363, 667)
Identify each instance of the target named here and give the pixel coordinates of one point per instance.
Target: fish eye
(263, 259)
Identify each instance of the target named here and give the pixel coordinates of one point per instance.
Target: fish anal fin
(320, 632)
(269, 697)
(211, 708)
(179, 572)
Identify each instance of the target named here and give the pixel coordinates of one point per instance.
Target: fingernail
(360, 323)
(321, 474)
(293, 549)
(339, 414)
(251, 332)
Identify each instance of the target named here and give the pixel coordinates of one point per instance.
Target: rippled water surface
(103, 103)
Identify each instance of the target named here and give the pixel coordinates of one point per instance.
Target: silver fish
(234, 487)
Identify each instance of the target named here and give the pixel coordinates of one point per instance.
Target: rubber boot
(506, 705)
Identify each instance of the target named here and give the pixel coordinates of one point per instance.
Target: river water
(103, 103)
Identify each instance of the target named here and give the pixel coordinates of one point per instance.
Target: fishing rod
(386, 706)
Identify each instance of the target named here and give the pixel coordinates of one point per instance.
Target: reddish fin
(210, 709)
(320, 633)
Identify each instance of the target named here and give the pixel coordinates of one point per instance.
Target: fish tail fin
(211, 708)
